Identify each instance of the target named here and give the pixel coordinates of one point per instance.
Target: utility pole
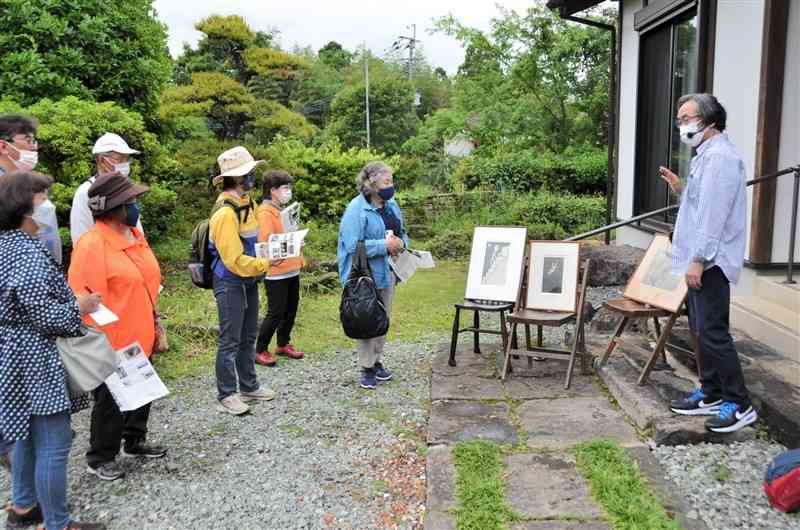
(411, 43)
(366, 90)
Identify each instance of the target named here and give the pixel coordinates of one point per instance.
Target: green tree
(392, 117)
(270, 119)
(335, 56)
(274, 74)
(93, 49)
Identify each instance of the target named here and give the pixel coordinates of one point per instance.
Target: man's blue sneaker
(696, 404)
(368, 378)
(381, 373)
(731, 417)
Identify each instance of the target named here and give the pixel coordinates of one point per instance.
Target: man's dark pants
(709, 309)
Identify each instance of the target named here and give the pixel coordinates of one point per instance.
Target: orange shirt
(126, 274)
(269, 222)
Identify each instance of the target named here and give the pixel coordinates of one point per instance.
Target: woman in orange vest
(114, 260)
(283, 279)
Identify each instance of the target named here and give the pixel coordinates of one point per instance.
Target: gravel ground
(725, 484)
(324, 454)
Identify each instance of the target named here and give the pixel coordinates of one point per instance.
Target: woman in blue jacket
(373, 217)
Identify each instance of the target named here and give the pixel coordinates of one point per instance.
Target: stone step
(768, 322)
(772, 289)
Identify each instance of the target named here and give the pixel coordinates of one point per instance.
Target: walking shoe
(381, 373)
(731, 418)
(23, 520)
(140, 448)
(265, 358)
(233, 405)
(289, 351)
(107, 471)
(368, 378)
(696, 404)
(75, 525)
(262, 394)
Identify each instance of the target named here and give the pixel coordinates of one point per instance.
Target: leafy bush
(158, 211)
(525, 171)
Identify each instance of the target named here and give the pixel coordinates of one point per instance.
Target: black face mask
(249, 182)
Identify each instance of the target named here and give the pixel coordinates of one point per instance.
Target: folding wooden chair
(477, 307)
(540, 319)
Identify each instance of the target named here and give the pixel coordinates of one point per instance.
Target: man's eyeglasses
(684, 120)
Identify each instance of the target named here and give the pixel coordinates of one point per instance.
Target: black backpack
(201, 261)
(361, 311)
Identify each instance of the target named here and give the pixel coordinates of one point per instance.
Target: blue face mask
(386, 193)
(249, 182)
(132, 215)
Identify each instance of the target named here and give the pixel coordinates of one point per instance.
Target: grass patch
(620, 489)
(480, 488)
(722, 473)
(421, 307)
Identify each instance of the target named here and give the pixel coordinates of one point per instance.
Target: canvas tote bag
(88, 359)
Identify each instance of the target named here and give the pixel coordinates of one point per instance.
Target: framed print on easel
(495, 263)
(552, 275)
(653, 282)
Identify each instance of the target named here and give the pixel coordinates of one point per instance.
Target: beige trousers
(370, 351)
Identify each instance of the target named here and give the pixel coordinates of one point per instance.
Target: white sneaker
(233, 405)
(262, 394)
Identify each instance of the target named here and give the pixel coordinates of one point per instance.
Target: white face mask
(27, 159)
(285, 196)
(692, 133)
(44, 214)
(123, 169)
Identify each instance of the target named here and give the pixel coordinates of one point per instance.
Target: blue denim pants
(39, 468)
(237, 305)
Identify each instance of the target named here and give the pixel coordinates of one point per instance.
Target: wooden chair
(539, 318)
(477, 307)
(631, 310)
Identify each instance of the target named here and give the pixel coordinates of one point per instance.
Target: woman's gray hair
(365, 181)
(709, 108)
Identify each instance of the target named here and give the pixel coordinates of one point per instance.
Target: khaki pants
(370, 351)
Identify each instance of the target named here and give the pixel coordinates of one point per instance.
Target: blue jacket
(361, 221)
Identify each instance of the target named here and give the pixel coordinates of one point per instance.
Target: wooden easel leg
(657, 325)
(514, 340)
(572, 355)
(504, 330)
(612, 344)
(528, 344)
(454, 338)
(476, 319)
(583, 352)
(507, 355)
(662, 342)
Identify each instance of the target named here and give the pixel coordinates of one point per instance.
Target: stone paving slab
(458, 421)
(548, 485)
(441, 487)
(560, 423)
(465, 386)
(520, 386)
(561, 525)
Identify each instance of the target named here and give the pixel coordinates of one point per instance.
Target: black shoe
(75, 525)
(143, 449)
(368, 378)
(107, 471)
(696, 404)
(381, 373)
(731, 418)
(24, 520)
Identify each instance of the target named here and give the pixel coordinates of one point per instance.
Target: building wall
(790, 141)
(737, 75)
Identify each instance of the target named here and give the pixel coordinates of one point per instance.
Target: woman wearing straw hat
(232, 231)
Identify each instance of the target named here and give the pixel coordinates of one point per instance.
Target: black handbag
(361, 311)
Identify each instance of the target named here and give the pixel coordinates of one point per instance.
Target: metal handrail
(758, 180)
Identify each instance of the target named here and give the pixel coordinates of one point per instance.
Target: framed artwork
(552, 275)
(653, 283)
(495, 263)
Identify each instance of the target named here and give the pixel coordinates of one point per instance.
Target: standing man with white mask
(111, 155)
(708, 249)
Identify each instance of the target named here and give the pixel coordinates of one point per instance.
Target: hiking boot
(75, 525)
(233, 405)
(23, 520)
(368, 380)
(381, 373)
(696, 404)
(107, 471)
(265, 358)
(262, 394)
(289, 351)
(731, 418)
(139, 448)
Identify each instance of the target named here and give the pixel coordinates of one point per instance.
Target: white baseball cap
(112, 143)
(236, 162)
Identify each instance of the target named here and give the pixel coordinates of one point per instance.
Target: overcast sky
(349, 22)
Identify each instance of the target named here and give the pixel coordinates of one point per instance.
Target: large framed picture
(495, 263)
(653, 283)
(552, 275)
